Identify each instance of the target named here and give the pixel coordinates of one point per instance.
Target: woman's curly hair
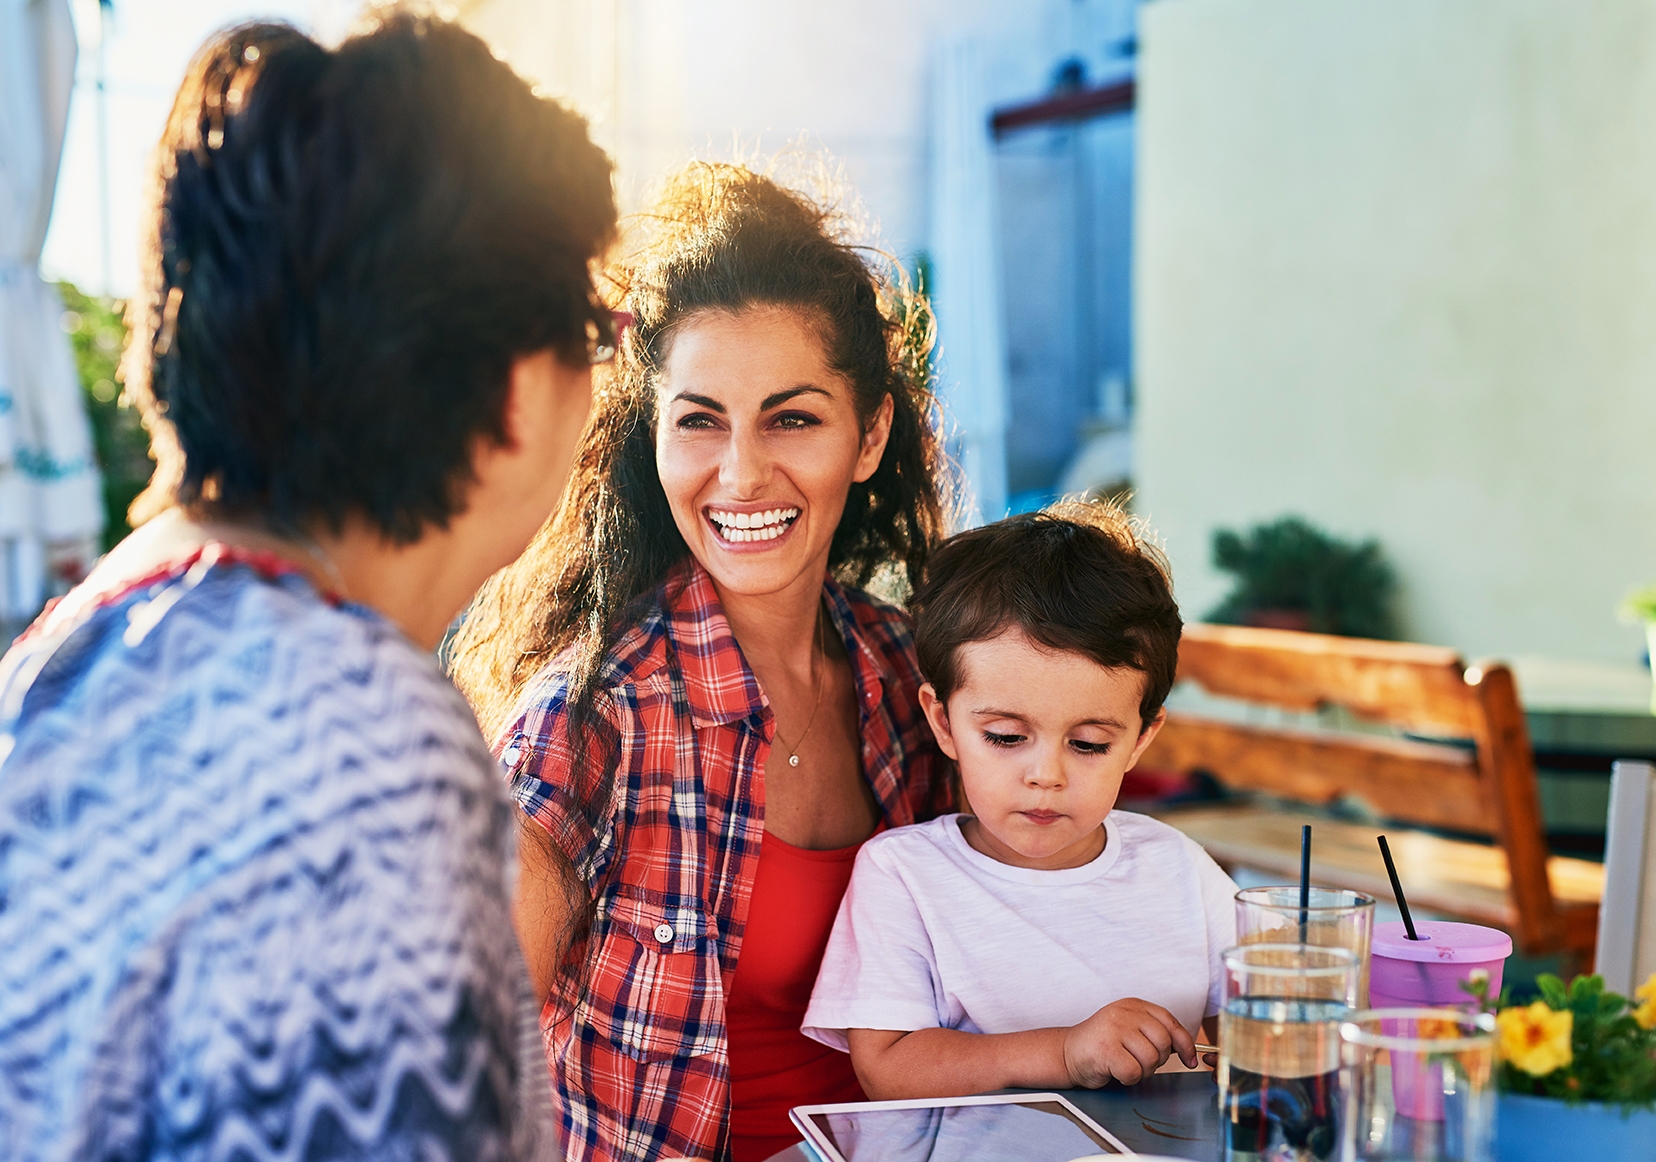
(719, 238)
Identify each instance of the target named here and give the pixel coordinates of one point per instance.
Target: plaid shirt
(663, 818)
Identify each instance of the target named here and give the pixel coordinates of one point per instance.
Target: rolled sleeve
(569, 792)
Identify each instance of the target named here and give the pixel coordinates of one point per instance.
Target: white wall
(1397, 273)
(664, 80)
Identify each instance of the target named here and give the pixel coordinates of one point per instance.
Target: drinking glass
(1279, 1050)
(1333, 917)
(1418, 1084)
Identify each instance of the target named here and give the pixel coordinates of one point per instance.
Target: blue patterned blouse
(254, 898)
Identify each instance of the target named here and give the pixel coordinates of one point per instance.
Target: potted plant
(1641, 606)
(1292, 575)
(1577, 1072)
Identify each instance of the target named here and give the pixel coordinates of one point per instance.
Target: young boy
(1043, 940)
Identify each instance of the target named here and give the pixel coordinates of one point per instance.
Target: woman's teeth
(753, 526)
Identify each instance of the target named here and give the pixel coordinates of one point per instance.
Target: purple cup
(1428, 972)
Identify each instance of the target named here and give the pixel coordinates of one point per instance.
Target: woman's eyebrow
(776, 399)
(704, 401)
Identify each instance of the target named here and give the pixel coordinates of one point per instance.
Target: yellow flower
(1535, 1039)
(1645, 1014)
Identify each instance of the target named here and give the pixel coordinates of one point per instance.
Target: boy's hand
(1127, 1040)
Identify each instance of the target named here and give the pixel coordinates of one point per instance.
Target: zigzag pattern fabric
(254, 898)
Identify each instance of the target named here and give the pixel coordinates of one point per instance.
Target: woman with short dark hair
(704, 718)
(254, 854)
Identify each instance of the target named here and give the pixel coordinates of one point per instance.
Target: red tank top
(773, 1066)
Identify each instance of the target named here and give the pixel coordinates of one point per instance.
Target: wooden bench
(1466, 768)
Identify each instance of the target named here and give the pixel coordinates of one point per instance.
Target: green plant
(1577, 1043)
(97, 333)
(1289, 564)
(1640, 605)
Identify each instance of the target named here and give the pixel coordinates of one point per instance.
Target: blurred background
(1354, 300)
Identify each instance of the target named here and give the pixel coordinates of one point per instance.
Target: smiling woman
(758, 442)
(702, 718)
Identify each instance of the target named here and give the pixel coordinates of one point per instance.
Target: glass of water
(1279, 1050)
(1333, 916)
(1418, 1084)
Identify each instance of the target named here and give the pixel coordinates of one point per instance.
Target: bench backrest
(1480, 779)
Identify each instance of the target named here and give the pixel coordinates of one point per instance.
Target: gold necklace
(816, 680)
(258, 539)
(321, 557)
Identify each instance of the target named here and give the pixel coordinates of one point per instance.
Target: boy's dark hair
(1078, 577)
(348, 250)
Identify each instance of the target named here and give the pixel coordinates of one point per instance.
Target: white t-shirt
(932, 934)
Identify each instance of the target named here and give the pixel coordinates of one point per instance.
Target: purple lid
(1442, 940)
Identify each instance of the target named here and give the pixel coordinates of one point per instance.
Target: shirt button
(664, 933)
(510, 756)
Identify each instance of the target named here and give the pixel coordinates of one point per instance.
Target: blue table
(1170, 1113)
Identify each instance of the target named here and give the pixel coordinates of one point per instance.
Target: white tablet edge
(822, 1148)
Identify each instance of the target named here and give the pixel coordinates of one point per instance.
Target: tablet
(1031, 1127)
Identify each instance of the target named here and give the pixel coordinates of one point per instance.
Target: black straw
(1305, 878)
(1397, 889)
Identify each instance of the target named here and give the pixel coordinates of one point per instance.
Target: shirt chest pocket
(653, 988)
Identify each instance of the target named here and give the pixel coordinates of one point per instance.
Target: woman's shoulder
(634, 658)
(284, 648)
(346, 655)
(207, 682)
(886, 629)
(875, 614)
(560, 744)
(238, 635)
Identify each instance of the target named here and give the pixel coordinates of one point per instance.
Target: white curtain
(50, 506)
(966, 278)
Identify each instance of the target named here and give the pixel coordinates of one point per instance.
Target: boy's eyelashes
(1080, 746)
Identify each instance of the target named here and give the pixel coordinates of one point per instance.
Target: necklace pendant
(793, 760)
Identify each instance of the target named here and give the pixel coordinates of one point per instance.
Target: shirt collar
(719, 683)
(866, 667)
